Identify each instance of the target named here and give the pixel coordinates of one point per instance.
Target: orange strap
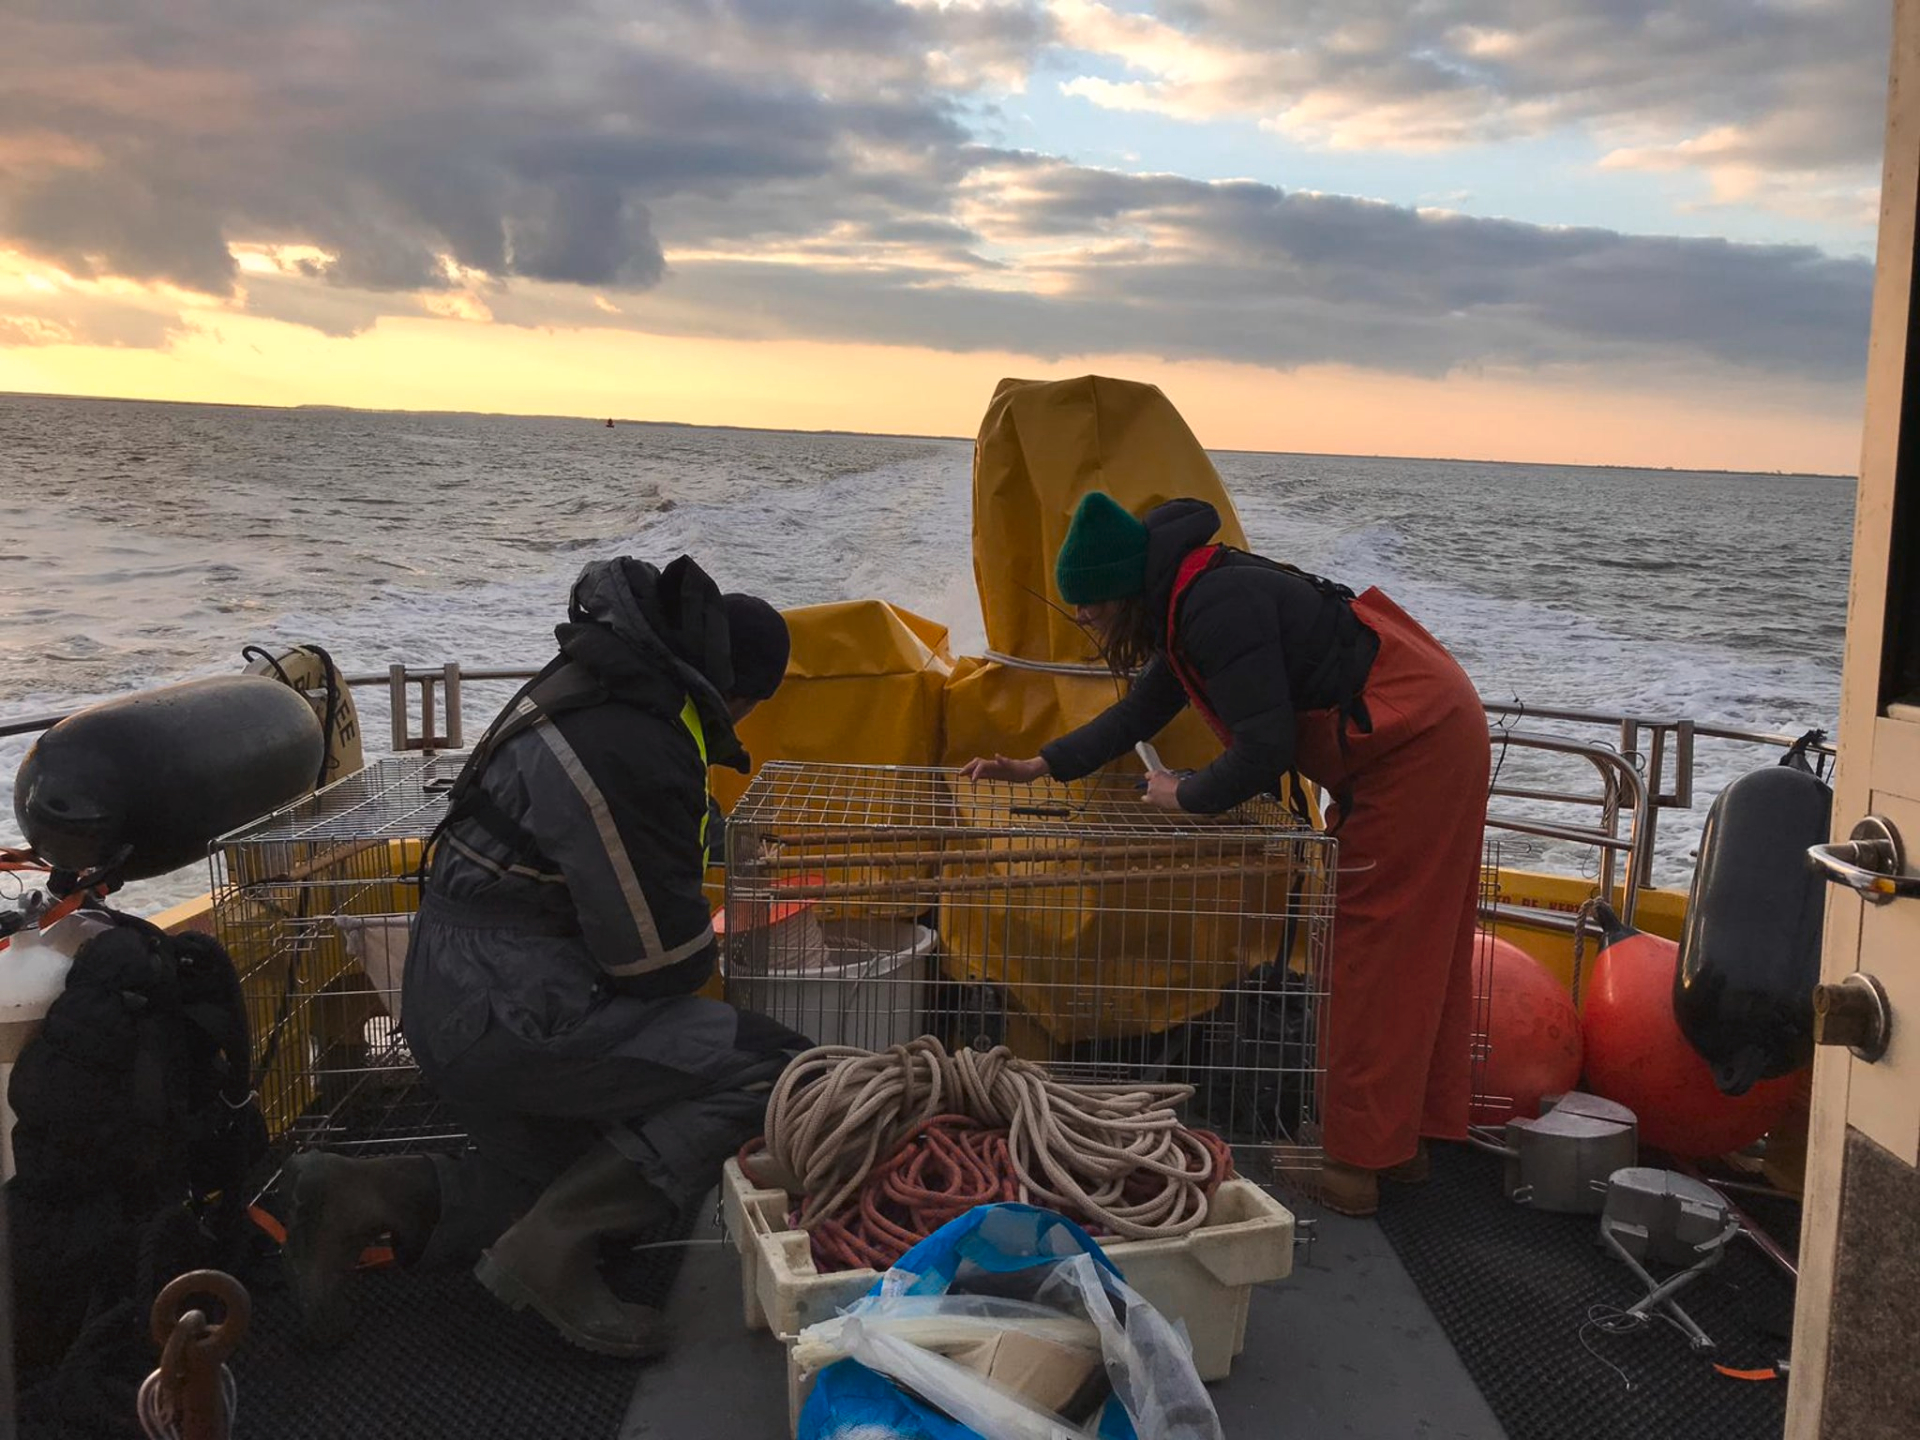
(374, 1257)
(57, 913)
(11, 859)
(1768, 1374)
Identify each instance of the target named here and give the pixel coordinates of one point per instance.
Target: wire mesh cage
(1071, 922)
(1486, 1084)
(315, 903)
(1526, 1043)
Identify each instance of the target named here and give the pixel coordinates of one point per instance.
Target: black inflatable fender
(145, 783)
(1750, 950)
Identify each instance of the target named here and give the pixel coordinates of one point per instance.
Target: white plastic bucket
(871, 988)
(33, 973)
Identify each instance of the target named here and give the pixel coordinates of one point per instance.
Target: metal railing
(1624, 794)
(1660, 748)
(1644, 765)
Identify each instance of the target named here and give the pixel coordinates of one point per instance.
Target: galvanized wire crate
(1484, 1095)
(314, 902)
(1072, 922)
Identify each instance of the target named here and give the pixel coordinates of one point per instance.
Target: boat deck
(1344, 1347)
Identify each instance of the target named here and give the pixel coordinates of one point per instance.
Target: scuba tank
(142, 785)
(1750, 953)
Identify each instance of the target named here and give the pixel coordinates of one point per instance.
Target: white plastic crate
(1204, 1277)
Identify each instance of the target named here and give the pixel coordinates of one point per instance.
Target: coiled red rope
(883, 1149)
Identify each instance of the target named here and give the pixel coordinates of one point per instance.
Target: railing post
(427, 737)
(450, 685)
(397, 708)
(1656, 797)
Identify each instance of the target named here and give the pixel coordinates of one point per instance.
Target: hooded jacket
(1265, 642)
(575, 865)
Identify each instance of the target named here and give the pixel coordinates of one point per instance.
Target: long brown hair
(1138, 633)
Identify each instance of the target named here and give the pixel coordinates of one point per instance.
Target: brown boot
(339, 1207)
(550, 1259)
(1349, 1189)
(1412, 1171)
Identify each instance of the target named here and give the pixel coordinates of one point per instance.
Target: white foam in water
(426, 538)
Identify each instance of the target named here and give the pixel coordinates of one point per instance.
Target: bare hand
(1163, 790)
(1021, 772)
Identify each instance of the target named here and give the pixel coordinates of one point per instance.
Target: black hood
(1174, 530)
(654, 636)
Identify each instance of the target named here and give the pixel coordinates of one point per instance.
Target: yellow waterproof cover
(1043, 445)
(865, 686)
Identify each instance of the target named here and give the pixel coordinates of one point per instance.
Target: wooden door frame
(1860, 695)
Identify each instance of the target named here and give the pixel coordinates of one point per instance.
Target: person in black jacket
(1296, 675)
(549, 989)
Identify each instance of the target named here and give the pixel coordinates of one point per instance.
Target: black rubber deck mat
(1513, 1290)
(435, 1357)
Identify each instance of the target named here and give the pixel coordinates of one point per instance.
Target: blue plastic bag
(1017, 1262)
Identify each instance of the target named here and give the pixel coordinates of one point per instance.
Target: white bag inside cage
(378, 945)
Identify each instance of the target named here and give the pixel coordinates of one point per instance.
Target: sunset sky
(1629, 232)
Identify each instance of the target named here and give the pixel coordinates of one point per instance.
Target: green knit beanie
(1104, 556)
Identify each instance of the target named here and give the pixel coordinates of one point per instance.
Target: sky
(1589, 231)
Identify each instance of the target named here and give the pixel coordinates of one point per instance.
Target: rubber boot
(340, 1206)
(1349, 1189)
(550, 1259)
(1413, 1171)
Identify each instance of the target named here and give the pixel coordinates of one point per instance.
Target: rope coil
(865, 1138)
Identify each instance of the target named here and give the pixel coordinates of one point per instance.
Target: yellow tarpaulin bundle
(865, 686)
(1042, 446)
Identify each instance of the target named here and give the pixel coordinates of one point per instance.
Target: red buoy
(1637, 1055)
(1532, 1045)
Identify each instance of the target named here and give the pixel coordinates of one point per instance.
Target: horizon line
(914, 435)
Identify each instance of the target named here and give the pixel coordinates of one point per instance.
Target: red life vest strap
(1197, 562)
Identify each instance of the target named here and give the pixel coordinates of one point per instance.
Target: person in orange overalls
(1297, 675)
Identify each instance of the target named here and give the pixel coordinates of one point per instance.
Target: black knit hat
(759, 645)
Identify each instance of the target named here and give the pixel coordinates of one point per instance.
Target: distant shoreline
(906, 435)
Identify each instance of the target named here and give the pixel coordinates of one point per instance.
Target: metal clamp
(1872, 861)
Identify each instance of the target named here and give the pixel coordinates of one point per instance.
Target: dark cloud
(516, 140)
(755, 168)
(1181, 268)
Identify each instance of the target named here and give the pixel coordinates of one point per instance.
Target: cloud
(1789, 90)
(44, 306)
(757, 168)
(518, 143)
(1096, 261)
